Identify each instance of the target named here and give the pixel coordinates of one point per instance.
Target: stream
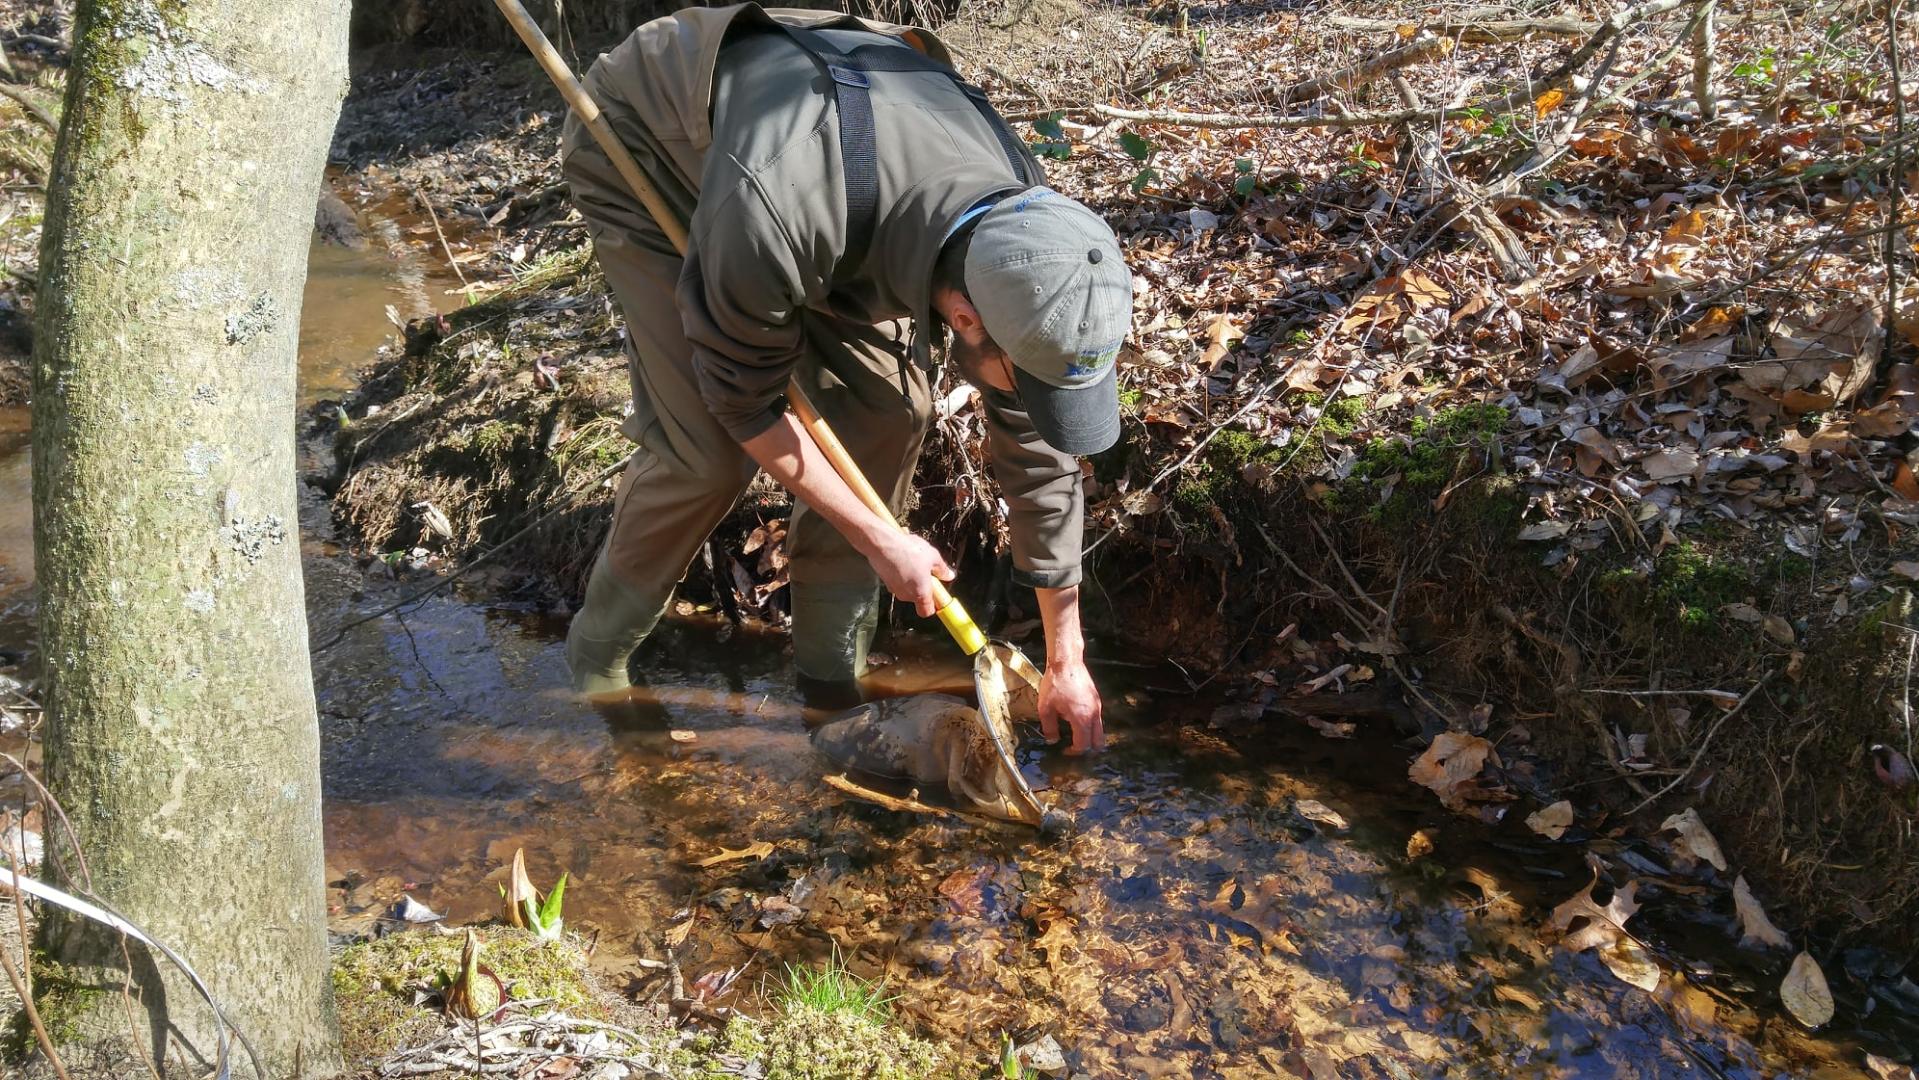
(1220, 910)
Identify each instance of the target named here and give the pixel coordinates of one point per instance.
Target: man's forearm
(789, 456)
(1059, 613)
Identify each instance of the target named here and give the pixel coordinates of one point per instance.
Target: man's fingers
(943, 571)
(923, 602)
(1049, 722)
(1082, 737)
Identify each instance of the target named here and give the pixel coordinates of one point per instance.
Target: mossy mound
(375, 983)
(503, 413)
(801, 1042)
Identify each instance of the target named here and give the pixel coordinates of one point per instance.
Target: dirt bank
(1565, 512)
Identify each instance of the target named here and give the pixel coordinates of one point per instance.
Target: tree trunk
(181, 734)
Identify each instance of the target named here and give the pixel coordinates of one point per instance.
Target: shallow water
(1196, 924)
(1202, 920)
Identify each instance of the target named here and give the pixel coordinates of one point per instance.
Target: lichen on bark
(181, 733)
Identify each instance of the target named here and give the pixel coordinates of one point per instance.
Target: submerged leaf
(1631, 963)
(1603, 925)
(758, 849)
(1805, 993)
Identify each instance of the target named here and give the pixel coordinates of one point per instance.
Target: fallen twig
(1477, 31)
(839, 782)
(1621, 20)
(1705, 743)
(34, 109)
(1422, 47)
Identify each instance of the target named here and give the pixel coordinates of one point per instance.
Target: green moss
(802, 1042)
(1420, 464)
(61, 997)
(374, 982)
(1342, 417)
(1693, 585)
(1234, 448)
(496, 438)
(1129, 400)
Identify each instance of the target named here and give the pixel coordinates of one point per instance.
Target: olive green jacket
(744, 143)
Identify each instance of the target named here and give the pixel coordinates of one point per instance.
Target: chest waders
(997, 665)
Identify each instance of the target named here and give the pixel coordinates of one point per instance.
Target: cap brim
(1081, 420)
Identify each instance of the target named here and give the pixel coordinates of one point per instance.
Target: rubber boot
(833, 627)
(613, 621)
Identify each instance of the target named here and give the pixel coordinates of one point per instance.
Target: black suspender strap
(858, 160)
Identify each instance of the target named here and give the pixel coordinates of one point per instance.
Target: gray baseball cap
(1052, 287)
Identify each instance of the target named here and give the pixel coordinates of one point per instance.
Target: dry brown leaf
(758, 849)
(1688, 229)
(1805, 993)
(1219, 334)
(1628, 960)
(1422, 290)
(1694, 838)
(1603, 925)
(1905, 483)
(1592, 449)
(1670, 464)
(1907, 569)
(1778, 629)
(1548, 101)
(1450, 764)
(1674, 364)
(1716, 321)
(1757, 931)
(1552, 821)
(1835, 436)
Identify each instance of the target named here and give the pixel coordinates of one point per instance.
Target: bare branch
(1705, 39)
(1423, 47)
(1477, 31)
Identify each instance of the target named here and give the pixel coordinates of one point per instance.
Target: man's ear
(959, 312)
(964, 317)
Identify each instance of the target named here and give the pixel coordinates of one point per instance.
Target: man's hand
(908, 566)
(1067, 693)
(904, 562)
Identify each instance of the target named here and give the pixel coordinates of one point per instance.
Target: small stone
(1043, 1054)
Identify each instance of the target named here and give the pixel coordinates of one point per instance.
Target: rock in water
(930, 739)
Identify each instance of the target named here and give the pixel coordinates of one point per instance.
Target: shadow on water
(1221, 910)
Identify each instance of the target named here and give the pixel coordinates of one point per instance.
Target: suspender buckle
(847, 76)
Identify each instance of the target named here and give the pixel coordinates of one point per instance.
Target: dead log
(1423, 47)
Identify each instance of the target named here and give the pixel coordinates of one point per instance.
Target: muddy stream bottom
(1219, 910)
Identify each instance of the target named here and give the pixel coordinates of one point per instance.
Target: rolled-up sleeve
(1043, 494)
(739, 291)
